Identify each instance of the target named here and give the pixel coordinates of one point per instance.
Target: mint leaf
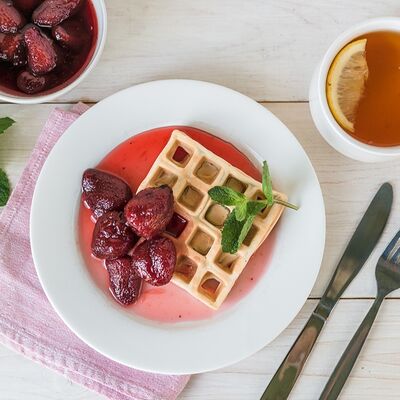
(5, 188)
(5, 123)
(226, 196)
(254, 207)
(234, 232)
(231, 233)
(245, 229)
(267, 184)
(241, 211)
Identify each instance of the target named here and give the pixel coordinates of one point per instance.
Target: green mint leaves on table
(240, 219)
(5, 187)
(5, 123)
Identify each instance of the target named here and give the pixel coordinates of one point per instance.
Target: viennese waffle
(191, 170)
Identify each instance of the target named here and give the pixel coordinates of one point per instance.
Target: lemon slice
(345, 84)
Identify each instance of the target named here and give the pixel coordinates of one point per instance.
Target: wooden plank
(375, 376)
(347, 185)
(265, 49)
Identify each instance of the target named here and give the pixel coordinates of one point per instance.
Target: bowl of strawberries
(47, 47)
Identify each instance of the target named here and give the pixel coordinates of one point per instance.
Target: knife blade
(358, 250)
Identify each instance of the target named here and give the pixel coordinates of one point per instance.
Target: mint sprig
(241, 218)
(5, 187)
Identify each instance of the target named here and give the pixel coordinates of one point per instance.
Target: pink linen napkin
(28, 323)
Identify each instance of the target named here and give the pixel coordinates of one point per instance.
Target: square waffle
(191, 170)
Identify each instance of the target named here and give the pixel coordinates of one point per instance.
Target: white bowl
(321, 114)
(101, 16)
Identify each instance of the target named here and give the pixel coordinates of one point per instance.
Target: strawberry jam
(176, 226)
(180, 155)
(131, 161)
(42, 58)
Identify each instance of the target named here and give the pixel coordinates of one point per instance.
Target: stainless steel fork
(387, 275)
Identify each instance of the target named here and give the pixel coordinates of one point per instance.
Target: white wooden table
(266, 49)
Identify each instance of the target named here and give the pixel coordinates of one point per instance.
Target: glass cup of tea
(355, 91)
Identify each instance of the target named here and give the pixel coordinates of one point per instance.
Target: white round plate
(187, 347)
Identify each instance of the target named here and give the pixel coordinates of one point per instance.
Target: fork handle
(349, 357)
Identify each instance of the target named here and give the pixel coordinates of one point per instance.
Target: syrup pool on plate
(132, 160)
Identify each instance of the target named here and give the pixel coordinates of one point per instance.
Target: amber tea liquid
(377, 119)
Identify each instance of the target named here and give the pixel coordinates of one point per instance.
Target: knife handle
(285, 377)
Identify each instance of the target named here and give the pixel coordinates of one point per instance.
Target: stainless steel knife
(357, 251)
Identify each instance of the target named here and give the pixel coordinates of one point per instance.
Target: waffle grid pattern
(191, 170)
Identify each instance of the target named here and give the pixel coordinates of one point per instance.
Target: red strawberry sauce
(131, 160)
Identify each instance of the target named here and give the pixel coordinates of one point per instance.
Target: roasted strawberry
(12, 48)
(149, 212)
(69, 34)
(154, 260)
(112, 237)
(125, 284)
(10, 18)
(52, 12)
(29, 83)
(26, 6)
(42, 56)
(103, 192)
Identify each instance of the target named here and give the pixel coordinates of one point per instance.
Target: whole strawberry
(29, 83)
(125, 284)
(52, 12)
(154, 260)
(150, 210)
(112, 238)
(12, 48)
(70, 34)
(42, 56)
(10, 18)
(102, 192)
